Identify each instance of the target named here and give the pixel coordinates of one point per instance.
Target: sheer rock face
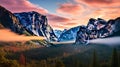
(97, 28)
(31, 22)
(68, 35)
(37, 24)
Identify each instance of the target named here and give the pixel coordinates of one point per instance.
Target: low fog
(108, 41)
(9, 36)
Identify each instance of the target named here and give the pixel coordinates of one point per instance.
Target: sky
(64, 14)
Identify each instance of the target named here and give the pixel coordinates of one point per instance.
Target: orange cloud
(70, 14)
(56, 18)
(100, 3)
(61, 27)
(21, 6)
(82, 10)
(70, 9)
(57, 22)
(9, 36)
(25, 6)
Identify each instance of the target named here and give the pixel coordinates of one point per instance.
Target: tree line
(23, 61)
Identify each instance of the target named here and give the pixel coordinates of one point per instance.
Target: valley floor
(70, 55)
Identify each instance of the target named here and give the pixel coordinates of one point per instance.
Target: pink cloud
(16, 6)
(100, 3)
(81, 11)
(69, 8)
(56, 18)
(57, 22)
(21, 6)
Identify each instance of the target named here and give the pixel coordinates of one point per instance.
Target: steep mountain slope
(37, 24)
(58, 33)
(8, 20)
(29, 23)
(98, 28)
(69, 34)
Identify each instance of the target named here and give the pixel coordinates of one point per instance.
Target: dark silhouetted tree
(59, 63)
(94, 62)
(114, 59)
(43, 63)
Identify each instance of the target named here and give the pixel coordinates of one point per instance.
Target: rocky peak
(37, 24)
(98, 28)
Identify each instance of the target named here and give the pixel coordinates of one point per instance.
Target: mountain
(96, 24)
(10, 21)
(36, 24)
(68, 35)
(58, 33)
(98, 28)
(28, 23)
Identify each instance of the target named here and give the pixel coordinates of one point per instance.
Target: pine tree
(59, 63)
(43, 63)
(94, 60)
(114, 59)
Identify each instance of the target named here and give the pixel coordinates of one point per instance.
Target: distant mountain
(68, 35)
(34, 23)
(98, 28)
(58, 33)
(29, 23)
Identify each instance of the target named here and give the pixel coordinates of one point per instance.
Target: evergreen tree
(94, 60)
(114, 59)
(43, 63)
(59, 63)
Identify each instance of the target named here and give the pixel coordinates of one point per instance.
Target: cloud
(70, 9)
(100, 3)
(17, 6)
(96, 1)
(21, 6)
(58, 22)
(112, 41)
(56, 18)
(69, 14)
(61, 27)
(82, 10)
(9, 36)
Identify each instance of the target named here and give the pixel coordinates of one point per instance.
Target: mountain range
(35, 24)
(98, 28)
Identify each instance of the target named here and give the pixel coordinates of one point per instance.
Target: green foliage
(43, 63)
(60, 56)
(59, 63)
(7, 63)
